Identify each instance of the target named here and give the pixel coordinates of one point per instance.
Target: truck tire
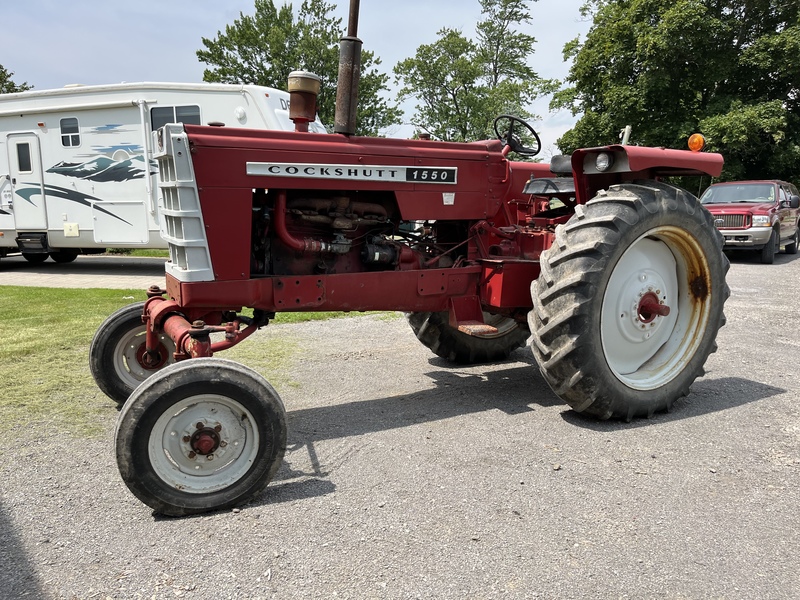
(791, 247)
(115, 354)
(769, 251)
(433, 329)
(201, 435)
(599, 343)
(63, 256)
(34, 258)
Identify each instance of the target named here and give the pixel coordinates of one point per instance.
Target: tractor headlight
(760, 220)
(603, 161)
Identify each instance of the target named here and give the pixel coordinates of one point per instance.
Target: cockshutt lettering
(435, 175)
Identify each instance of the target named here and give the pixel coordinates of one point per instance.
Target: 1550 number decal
(432, 175)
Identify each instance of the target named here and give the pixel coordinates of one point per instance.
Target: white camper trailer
(76, 173)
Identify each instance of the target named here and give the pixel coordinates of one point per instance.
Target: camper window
(70, 134)
(161, 115)
(24, 158)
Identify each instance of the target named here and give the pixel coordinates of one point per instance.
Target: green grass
(44, 356)
(146, 252)
(44, 366)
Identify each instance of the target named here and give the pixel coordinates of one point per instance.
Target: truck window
(161, 115)
(24, 157)
(70, 133)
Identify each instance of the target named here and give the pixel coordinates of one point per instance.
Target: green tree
(668, 68)
(461, 85)
(7, 85)
(265, 47)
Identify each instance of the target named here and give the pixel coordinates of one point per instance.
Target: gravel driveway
(408, 478)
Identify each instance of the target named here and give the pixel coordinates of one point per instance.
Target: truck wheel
(769, 251)
(34, 258)
(791, 247)
(204, 434)
(433, 329)
(629, 301)
(63, 256)
(116, 354)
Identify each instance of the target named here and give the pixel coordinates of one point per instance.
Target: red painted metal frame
(418, 290)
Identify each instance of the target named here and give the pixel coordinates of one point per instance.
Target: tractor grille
(180, 216)
(729, 221)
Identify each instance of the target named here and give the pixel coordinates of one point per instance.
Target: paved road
(113, 272)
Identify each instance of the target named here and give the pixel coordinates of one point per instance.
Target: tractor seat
(561, 164)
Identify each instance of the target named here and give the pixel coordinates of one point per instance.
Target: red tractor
(616, 278)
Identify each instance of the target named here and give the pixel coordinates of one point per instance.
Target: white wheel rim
(126, 363)
(174, 450)
(645, 352)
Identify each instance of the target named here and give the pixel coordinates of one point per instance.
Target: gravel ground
(407, 478)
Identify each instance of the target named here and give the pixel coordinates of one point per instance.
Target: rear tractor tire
(201, 435)
(117, 353)
(433, 329)
(629, 301)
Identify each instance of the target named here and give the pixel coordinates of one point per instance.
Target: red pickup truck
(756, 215)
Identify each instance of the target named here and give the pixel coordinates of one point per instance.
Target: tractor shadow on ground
(513, 388)
(516, 389)
(705, 397)
(457, 392)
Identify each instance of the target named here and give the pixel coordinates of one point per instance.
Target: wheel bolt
(191, 454)
(200, 425)
(186, 439)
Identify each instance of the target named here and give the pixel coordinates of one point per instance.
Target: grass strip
(44, 356)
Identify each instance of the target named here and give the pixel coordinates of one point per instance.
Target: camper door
(25, 169)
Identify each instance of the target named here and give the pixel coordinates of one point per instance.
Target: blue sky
(51, 43)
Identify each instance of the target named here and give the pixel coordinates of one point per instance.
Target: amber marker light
(697, 142)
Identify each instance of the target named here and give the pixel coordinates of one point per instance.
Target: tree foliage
(461, 85)
(7, 85)
(265, 47)
(726, 68)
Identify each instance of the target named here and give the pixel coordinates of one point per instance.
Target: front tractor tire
(201, 435)
(629, 301)
(117, 353)
(433, 329)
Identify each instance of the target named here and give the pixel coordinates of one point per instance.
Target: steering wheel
(511, 140)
